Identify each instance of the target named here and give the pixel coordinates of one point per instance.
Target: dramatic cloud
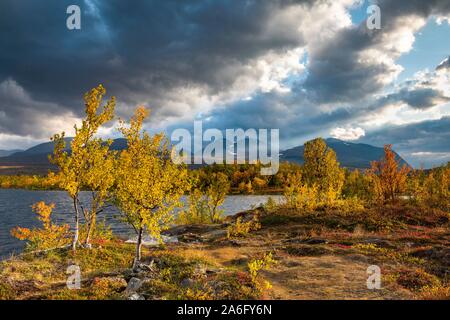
(21, 115)
(417, 141)
(301, 66)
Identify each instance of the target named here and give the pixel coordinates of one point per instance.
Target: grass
(408, 245)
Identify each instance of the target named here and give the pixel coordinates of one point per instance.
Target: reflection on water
(15, 210)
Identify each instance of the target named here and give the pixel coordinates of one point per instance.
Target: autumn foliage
(49, 236)
(148, 183)
(90, 163)
(388, 177)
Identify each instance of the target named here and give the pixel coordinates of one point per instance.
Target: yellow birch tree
(149, 184)
(89, 164)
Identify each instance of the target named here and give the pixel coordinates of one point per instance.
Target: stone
(147, 267)
(133, 284)
(154, 242)
(214, 235)
(189, 237)
(136, 296)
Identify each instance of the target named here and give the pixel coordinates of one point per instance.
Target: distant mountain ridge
(349, 154)
(35, 159)
(5, 153)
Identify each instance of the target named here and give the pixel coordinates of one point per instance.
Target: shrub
(321, 168)
(242, 229)
(107, 288)
(197, 211)
(298, 195)
(205, 200)
(102, 232)
(438, 292)
(254, 268)
(6, 291)
(49, 236)
(270, 205)
(388, 178)
(416, 279)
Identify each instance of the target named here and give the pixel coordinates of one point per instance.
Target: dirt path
(307, 277)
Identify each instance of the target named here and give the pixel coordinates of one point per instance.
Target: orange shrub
(47, 237)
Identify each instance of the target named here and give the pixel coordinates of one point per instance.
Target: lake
(15, 210)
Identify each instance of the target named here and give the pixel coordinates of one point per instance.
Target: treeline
(34, 182)
(385, 181)
(418, 186)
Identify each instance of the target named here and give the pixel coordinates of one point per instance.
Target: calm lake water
(15, 210)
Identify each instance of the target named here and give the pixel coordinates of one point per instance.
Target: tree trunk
(91, 227)
(75, 237)
(137, 257)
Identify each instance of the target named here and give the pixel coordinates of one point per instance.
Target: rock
(214, 235)
(210, 271)
(146, 267)
(133, 285)
(235, 243)
(189, 237)
(130, 273)
(196, 229)
(136, 296)
(187, 283)
(152, 242)
(244, 215)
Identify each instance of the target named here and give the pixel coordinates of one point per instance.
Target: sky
(308, 68)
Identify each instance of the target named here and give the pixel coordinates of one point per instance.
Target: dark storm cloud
(276, 111)
(153, 52)
(139, 51)
(336, 71)
(416, 140)
(418, 98)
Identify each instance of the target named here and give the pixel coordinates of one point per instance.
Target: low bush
(242, 229)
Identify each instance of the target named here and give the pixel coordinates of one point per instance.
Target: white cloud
(347, 133)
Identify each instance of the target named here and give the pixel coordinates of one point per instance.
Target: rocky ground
(318, 255)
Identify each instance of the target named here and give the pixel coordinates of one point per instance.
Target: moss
(7, 292)
(416, 279)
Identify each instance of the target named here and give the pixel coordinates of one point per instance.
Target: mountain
(35, 159)
(350, 155)
(5, 153)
